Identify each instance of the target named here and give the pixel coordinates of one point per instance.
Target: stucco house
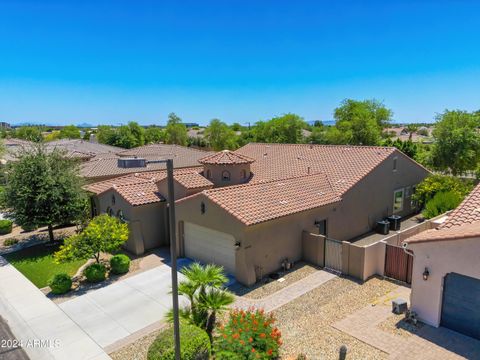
(446, 270)
(247, 209)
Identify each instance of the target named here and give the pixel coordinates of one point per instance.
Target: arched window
(209, 174)
(243, 174)
(225, 175)
(109, 211)
(113, 199)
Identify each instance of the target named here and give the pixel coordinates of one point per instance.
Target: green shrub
(10, 242)
(60, 283)
(120, 264)
(5, 226)
(95, 273)
(434, 184)
(29, 227)
(248, 335)
(194, 344)
(441, 202)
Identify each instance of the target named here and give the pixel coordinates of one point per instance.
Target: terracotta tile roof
(137, 178)
(106, 165)
(140, 193)
(263, 201)
(344, 164)
(83, 146)
(226, 157)
(467, 212)
(193, 180)
(463, 222)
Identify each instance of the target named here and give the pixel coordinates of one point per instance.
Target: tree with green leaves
(30, 133)
(104, 234)
(286, 129)
(154, 135)
(359, 122)
(176, 131)
(43, 188)
(220, 136)
(204, 288)
(106, 134)
(411, 128)
(70, 132)
(457, 142)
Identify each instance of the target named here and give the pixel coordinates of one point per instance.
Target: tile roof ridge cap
(323, 145)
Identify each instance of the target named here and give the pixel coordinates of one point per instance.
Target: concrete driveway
(119, 310)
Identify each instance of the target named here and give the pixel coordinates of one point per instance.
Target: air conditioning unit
(131, 163)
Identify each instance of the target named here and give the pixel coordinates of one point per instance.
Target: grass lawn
(36, 263)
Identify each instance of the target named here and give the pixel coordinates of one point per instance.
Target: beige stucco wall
(313, 248)
(441, 258)
(266, 245)
(234, 170)
(145, 222)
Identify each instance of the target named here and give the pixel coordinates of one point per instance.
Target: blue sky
(115, 61)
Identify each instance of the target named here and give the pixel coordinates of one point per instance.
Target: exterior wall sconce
(237, 245)
(426, 274)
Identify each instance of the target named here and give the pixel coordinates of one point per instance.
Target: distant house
(105, 166)
(190, 125)
(248, 209)
(446, 270)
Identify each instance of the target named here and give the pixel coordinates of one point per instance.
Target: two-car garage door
(461, 304)
(209, 246)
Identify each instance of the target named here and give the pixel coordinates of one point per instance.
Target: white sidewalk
(44, 329)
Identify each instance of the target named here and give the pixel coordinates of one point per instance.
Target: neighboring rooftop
(345, 165)
(141, 193)
(106, 165)
(255, 203)
(81, 148)
(226, 157)
(463, 222)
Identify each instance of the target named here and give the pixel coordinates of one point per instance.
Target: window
(209, 174)
(322, 226)
(395, 164)
(243, 174)
(398, 200)
(120, 216)
(94, 207)
(113, 199)
(109, 211)
(413, 202)
(202, 207)
(225, 175)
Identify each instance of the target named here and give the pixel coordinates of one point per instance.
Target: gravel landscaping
(397, 325)
(306, 322)
(137, 350)
(269, 286)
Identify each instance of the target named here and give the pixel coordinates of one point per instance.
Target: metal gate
(398, 264)
(333, 254)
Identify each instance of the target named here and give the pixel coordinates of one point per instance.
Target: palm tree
(411, 128)
(204, 288)
(214, 302)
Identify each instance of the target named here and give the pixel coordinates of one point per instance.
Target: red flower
(253, 350)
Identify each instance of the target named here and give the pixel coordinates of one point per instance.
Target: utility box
(394, 221)
(399, 306)
(383, 227)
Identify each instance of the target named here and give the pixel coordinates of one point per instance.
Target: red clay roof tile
(226, 157)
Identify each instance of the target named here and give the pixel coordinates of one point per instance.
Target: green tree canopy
(126, 136)
(154, 134)
(220, 136)
(359, 122)
(43, 188)
(30, 133)
(175, 132)
(457, 145)
(70, 132)
(281, 129)
(104, 234)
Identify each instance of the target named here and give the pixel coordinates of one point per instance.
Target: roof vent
(264, 154)
(127, 163)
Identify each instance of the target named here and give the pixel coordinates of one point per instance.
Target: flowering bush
(248, 335)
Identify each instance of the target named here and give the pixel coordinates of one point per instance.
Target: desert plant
(95, 273)
(203, 287)
(248, 335)
(441, 202)
(60, 283)
(194, 344)
(5, 226)
(10, 242)
(119, 264)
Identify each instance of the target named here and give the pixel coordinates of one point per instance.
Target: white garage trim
(209, 246)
